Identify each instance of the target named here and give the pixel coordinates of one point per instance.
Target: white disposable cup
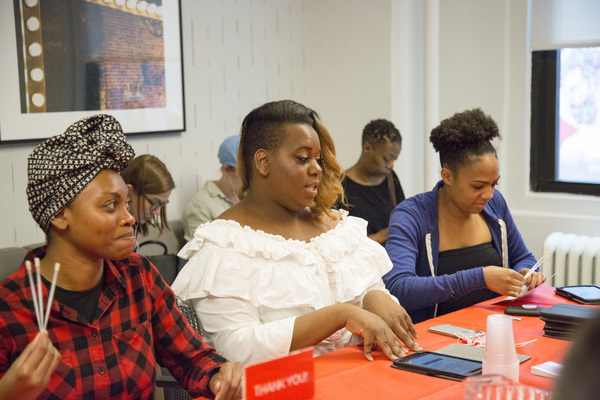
(500, 357)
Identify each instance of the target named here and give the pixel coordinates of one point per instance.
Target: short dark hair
(379, 131)
(265, 128)
(463, 137)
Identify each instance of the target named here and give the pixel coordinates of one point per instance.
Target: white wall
(349, 68)
(352, 61)
(408, 92)
(238, 54)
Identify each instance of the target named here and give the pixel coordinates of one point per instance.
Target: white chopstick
(536, 265)
(51, 295)
(36, 305)
(524, 290)
(36, 262)
(36, 293)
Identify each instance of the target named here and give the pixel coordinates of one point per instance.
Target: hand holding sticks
(38, 300)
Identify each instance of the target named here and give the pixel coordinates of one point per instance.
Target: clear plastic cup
(495, 387)
(500, 357)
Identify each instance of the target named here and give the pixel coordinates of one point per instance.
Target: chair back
(188, 310)
(10, 260)
(157, 252)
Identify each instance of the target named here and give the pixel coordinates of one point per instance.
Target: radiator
(572, 259)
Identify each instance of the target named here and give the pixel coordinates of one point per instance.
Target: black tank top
(371, 203)
(451, 261)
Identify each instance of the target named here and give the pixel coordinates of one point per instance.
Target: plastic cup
(500, 357)
(492, 387)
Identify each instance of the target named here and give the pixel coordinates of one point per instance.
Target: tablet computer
(439, 365)
(584, 294)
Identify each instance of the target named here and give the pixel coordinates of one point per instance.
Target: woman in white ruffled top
(281, 270)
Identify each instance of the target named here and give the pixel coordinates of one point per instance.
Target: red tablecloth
(346, 374)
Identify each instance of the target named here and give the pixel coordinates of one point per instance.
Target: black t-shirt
(451, 261)
(85, 302)
(371, 203)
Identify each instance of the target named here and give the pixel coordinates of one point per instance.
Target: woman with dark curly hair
(458, 244)
(371, 186)
(281, 270)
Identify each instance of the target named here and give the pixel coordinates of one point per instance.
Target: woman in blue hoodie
(458, 244)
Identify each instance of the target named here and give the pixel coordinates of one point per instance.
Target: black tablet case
(519, 310)
(562, 321)
(570, 313)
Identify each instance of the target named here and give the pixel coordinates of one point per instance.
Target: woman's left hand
(382, 305)
(534, 280)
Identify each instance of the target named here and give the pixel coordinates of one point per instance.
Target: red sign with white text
(291, 377)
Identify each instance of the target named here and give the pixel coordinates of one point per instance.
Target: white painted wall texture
(238, 54)
(352, 61)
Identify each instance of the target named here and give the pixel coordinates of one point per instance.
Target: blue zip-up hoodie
(413, 246)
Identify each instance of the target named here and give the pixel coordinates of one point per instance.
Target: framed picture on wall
(62, 60)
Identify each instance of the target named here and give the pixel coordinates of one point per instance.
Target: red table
(346, 374)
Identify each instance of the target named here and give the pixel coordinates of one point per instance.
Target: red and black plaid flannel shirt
(114, 356)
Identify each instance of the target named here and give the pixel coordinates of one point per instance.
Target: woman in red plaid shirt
(113, 318)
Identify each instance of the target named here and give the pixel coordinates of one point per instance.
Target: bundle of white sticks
(36, 292)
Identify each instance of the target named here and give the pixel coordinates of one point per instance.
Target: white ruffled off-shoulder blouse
(248, 286)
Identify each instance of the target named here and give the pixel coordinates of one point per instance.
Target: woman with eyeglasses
(150, 185)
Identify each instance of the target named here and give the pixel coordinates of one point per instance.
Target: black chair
(167, 264)
(10, 260)
(171, 388)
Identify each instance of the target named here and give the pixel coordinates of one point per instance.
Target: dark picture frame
(67, 59)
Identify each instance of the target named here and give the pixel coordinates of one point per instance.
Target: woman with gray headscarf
(113, 317)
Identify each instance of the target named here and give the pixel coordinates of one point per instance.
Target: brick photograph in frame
(67, 59)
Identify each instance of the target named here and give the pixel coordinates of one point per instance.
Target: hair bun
(466, 129)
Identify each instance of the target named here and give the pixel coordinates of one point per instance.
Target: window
(565, 120)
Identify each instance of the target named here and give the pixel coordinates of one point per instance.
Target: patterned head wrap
(62, 166)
